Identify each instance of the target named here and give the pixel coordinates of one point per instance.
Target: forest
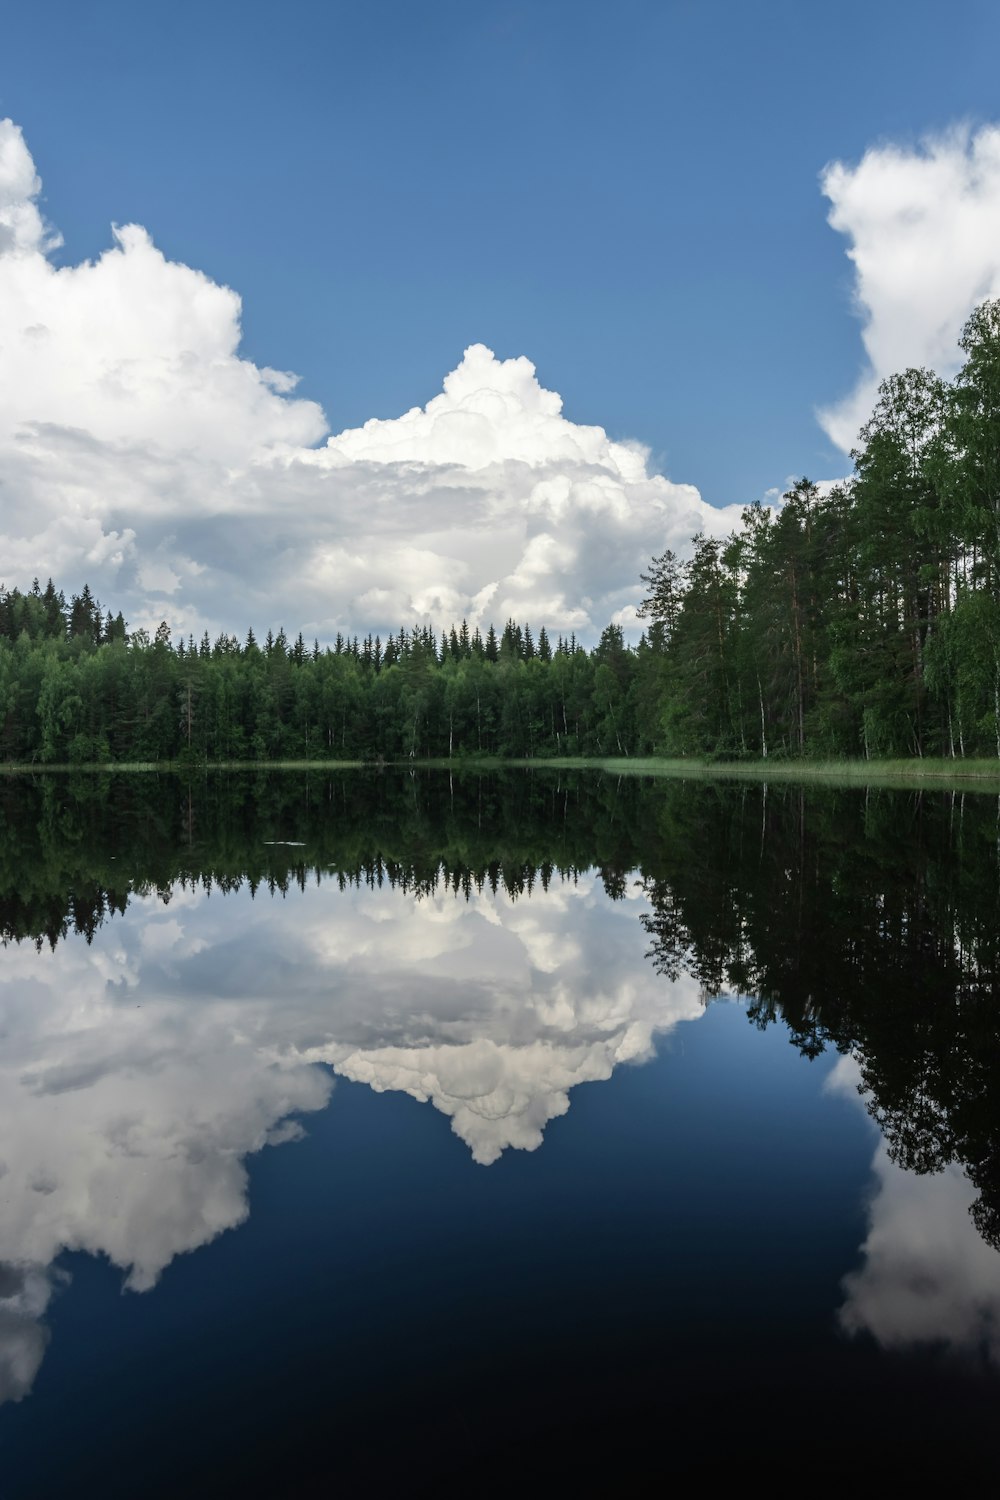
(860, 621)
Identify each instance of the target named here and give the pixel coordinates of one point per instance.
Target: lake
(475, 1131)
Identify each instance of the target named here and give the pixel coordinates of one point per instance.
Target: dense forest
(78, 688)
(864, 621)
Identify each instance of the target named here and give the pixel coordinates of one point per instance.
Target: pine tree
(665, 584)
(55, 612)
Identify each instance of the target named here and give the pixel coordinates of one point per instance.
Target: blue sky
(628, 195)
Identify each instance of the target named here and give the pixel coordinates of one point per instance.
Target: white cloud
(141, 453)
(22, 229)
(924, 231)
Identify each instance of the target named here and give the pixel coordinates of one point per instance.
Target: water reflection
(24, 1297)
(926, 1276)
(140, 1070)
(189, 967)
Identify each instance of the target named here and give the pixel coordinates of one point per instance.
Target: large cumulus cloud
(924, 229)
(141, 453)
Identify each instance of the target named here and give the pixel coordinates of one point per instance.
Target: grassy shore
(983, 775)
(176, 767)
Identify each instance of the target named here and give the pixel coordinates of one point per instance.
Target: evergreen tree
(665, 585)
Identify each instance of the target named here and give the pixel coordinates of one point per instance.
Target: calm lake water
(461, 1133)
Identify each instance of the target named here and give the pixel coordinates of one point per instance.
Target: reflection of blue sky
(927, 1276)
(137, 1074)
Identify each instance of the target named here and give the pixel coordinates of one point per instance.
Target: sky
(596, 277)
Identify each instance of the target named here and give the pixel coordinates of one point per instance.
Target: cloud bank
(140, 453)
(924, 231)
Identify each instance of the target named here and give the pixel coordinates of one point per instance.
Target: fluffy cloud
(140, 453)
(924, 231)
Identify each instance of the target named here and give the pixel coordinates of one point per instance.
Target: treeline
(863, 622)
(76, 687)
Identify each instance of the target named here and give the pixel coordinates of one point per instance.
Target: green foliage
(81, 694)
(862, 623)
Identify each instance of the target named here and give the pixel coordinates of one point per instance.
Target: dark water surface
(465, 1133)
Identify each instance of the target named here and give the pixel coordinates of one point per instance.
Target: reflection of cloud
(494, 1009)
(138, 1072)
(24, 1296)
(497, 1095)
(491, 1009)
(125, 1120)
(928, 1277)
(136, 443)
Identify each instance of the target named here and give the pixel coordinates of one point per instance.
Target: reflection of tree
(869, 922)
(73, 852)
(865, 921)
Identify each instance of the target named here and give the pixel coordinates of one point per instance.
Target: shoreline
(963, 775)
